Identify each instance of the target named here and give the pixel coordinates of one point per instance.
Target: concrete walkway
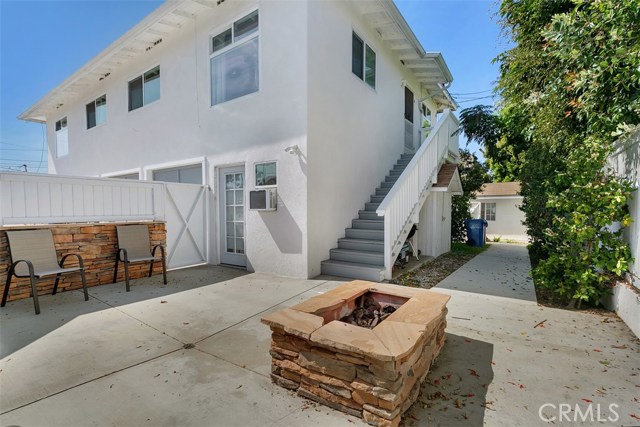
(506, 356)
(120, 359)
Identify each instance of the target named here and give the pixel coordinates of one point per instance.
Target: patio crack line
(91, 380)
(259, 313)
(135, 318)
(244, 320)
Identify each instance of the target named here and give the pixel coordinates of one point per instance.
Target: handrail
(407, 195)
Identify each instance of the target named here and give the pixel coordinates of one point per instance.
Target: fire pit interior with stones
(363, 348)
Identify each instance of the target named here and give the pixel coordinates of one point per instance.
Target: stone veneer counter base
(374, 374)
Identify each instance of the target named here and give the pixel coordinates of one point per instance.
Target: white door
(231, 191)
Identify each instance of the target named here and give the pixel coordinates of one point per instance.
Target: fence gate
(187, 229)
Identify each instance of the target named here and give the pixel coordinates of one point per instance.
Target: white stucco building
(317, 100)
(499, 203)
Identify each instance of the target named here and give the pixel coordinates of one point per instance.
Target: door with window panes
(232, 213)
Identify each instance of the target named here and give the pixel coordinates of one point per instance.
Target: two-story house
(315, 99)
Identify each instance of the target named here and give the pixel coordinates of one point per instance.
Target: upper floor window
(363, 60)
(145, 89)
(62, 138)
(97, 112)
(488, 211)
(235, 69)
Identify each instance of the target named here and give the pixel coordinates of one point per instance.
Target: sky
(44, 42)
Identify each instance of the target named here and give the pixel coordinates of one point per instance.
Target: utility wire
(459, 101)
(23, 149)
(21, 160)
(471, 93)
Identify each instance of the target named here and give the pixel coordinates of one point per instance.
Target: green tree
(502, 137)
(472, 175)
(573, 82)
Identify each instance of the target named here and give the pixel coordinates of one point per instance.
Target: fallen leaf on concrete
(163, 302)
(634, 416)
(474, 373)
(621, 347)
(598, 350)
(587, 400)
(458, 403)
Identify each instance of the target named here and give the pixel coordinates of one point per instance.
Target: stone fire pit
(373, 374)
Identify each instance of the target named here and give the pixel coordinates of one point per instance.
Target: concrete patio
(194, 353)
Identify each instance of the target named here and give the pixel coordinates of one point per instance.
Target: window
(426, 116)
(134, 175)
(97, 112)
(363, 61)
(235, 70)
(191, 174)
(145, 89)
(266, 174)
(62, 138)
(408, 105)
(488, 211)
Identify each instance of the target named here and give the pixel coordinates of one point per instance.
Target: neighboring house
(625, 162)
(499, 204)
(315, 100)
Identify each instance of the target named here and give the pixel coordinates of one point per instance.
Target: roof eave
(30, 113)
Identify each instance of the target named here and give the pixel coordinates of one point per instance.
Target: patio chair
(133, 246)
(33, 255)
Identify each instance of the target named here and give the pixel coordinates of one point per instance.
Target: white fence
(27, 199)
(401, 206)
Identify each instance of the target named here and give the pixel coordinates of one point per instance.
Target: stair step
(376, 199)
(363, 233)
(361, 245)
(386, 184)
(357, 257)
(406, 156)
(368, 215)
(382, 191)
(391, 178)
(352, 271)
(368, 224)
(403, 163)
(371, 206)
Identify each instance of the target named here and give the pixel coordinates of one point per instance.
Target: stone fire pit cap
(390, 340)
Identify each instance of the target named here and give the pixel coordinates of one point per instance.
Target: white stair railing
(401, 206)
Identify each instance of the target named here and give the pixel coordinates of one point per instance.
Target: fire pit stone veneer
(374, 374)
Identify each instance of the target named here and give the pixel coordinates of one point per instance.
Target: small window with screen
(266, 174)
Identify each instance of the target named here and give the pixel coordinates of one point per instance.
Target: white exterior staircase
(370, 247)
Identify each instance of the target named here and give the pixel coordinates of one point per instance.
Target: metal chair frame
(139, 253)
(34, 272)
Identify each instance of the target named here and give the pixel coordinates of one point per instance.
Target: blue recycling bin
(476, 231)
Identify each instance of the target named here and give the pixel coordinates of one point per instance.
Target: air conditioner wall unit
(263, 200)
